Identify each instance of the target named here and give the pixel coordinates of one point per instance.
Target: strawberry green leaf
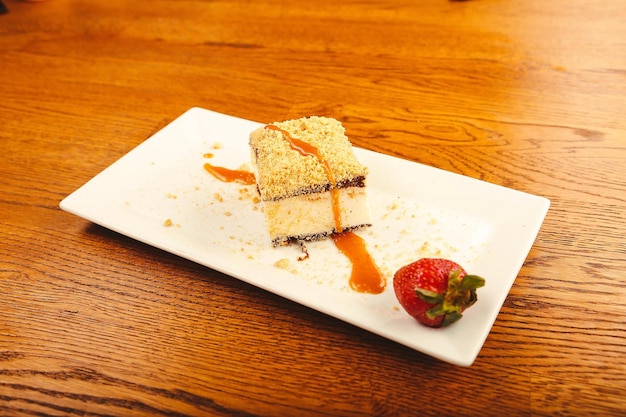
(430, 297)
(436, 311)
(471, 282)
(450, 318)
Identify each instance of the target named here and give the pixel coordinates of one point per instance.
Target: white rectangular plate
(160, 194)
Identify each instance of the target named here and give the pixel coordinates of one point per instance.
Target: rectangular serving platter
(160, 194)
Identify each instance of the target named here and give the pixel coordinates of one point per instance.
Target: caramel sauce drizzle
(230, 175)
(365, 276)
(306, 149)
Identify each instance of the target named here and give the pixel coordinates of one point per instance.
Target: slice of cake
(308, 179)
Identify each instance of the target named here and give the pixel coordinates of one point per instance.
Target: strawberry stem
(460, 294)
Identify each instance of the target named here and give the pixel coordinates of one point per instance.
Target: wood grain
(528, 95)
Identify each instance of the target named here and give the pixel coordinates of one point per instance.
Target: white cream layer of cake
(310, 216)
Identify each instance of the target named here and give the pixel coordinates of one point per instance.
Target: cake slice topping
(285, 173)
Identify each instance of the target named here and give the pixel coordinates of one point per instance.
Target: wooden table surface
(528, 94)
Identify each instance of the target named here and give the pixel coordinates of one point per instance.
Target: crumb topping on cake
(283, 172)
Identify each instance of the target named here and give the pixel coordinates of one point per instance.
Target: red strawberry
(435, 291)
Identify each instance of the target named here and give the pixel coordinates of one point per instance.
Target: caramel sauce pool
(365, 277)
